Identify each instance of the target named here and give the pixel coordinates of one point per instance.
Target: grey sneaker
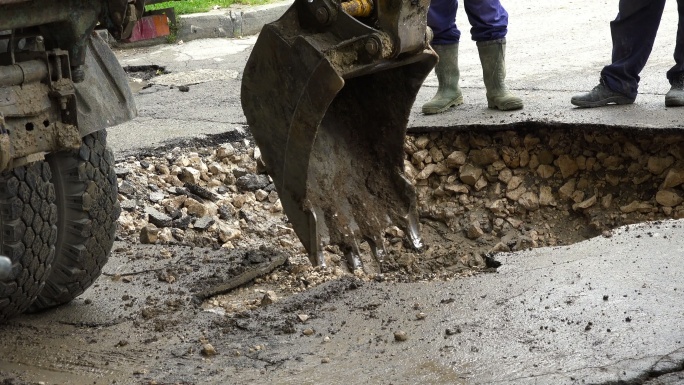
(600, 96)
(675, 96)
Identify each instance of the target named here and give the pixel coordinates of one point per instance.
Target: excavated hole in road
(480, 192)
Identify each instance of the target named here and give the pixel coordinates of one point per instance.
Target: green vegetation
(183, 7)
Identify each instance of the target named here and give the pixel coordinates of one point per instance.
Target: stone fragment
(514, 195)
(545, 157)
(208, 350)
(516, 223)
(227, 233)
(480, 184)
(506, 175)
(607, 201)
(456, 159)
(252, 182)
(567, 166)
(500, 248)
(577, 196)
(239, 172)
(195, 208)
(189, 175)
(510, 157)
(436, 154)
(632, 150)
(129, 204)
(474, 231)
(525, 242)
(157, 218)
(469, 174)
(514, 183)
(529, 200)
(203, 223)
(422, 142)
(657, 165)
(585, 204)
(156, 196)
(636, 206)
(498, 208)
(456, 188)
(224, 151)
(567, 189)
(269, 298)
(426, 172)
(485, 156)
(420, 156)
(400, 336)
(546, 197)
(613, 162)
(673, 178)
(545, 171)
(260, 195)
(122, 172)
(149, 234)
(668, 198)
(165, 235)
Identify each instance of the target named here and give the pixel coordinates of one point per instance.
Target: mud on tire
(87, 211)
(28, 233)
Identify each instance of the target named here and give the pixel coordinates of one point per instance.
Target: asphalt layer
(605, 311)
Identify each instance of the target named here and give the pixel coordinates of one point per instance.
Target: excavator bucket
(327, 92)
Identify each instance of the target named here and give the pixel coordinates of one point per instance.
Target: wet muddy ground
(207, 282)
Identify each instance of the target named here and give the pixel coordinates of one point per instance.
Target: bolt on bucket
(327, 92)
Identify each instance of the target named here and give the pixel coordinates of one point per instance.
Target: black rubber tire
(87, 212)
(28, 218)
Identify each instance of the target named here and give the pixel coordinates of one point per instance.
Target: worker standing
(633, 32)
(489, 22)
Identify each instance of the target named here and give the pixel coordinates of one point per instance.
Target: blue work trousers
(488, 19)
(633, 32)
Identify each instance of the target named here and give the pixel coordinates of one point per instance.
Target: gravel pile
(479, 193)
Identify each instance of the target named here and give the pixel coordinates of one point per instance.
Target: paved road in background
(555, 50)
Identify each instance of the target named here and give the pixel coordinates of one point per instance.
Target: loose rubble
(479, 193)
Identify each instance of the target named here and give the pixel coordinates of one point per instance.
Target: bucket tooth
(377, 246)
(315, 247)
(352, 252)
(327, 98)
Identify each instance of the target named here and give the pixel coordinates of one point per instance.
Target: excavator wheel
(28, 233)
(86, 198)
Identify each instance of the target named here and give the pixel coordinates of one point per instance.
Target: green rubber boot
(448, 93)
(675, 97)
(492, 57)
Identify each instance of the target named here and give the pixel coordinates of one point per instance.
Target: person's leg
(633, 33)
(675, 97)
(442, 20)
(489, 21)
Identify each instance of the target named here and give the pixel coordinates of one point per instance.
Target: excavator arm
(327, 92)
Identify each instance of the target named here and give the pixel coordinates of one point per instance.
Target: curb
(229, 23)
(235, 22)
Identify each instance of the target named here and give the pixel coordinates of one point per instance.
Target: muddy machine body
(60, 88)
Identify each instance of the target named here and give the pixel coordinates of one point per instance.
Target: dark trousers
(633, 32)
(488, 19)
